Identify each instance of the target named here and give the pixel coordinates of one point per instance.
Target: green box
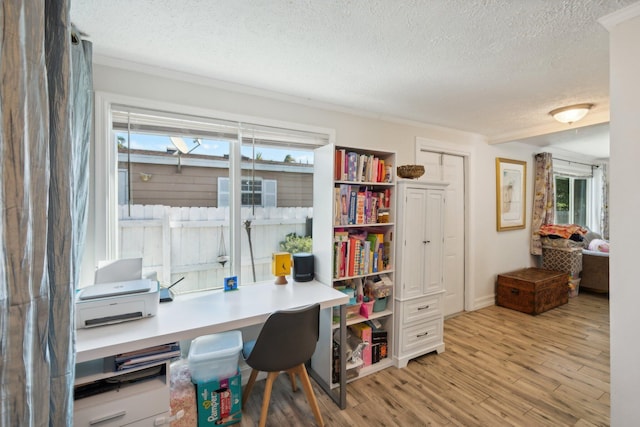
(219, 402)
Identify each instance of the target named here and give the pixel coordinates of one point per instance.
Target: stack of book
(146, 356)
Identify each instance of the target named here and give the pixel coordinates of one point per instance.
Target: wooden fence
(188, 242)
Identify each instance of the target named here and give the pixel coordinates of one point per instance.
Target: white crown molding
(613, 19)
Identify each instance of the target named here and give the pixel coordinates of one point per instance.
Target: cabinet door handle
(424, 307)
(107, 418)
(422, 335)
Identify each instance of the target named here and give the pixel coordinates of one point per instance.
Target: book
(343, 164)
(363, 331)
(360, 207)
(353, 202)
(345, 195)
(352, 166)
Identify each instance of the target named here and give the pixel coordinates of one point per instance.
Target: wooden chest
(532, 290)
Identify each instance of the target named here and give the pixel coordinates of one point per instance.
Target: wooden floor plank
(500, 368)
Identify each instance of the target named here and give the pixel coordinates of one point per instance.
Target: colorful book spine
(352, 166)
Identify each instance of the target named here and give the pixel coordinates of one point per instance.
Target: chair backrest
(287, 339)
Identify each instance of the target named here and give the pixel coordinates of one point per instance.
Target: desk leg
(343, 357)
(339, 398)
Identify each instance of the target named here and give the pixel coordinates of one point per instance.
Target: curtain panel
(45, 120)
(543, 202)
(604, 211)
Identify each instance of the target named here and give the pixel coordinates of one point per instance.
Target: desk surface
(192, 315)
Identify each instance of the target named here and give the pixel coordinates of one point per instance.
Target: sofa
(595, 264)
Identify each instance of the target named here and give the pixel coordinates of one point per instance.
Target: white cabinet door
(414, 245)
(433, 217)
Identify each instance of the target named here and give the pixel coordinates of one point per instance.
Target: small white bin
(215, 357)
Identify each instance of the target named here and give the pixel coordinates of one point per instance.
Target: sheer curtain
(45, 113)
(543, 202)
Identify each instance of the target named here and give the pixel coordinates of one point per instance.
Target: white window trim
(102, 230)
(588, 197)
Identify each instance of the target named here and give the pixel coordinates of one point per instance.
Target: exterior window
(259, 192)
(572, 199)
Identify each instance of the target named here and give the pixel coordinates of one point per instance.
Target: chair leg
(294, 384)
(271, 377)
(249, 387)
(308, 390)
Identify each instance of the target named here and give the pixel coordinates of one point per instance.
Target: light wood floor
(500, 368)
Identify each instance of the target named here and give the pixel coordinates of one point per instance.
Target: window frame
(223, 182)
(102, 234)
(588, 196)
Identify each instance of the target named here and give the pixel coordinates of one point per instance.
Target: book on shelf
(352, 166)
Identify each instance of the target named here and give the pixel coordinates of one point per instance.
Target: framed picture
(511, 194)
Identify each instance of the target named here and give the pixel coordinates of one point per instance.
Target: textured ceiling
(494, 67)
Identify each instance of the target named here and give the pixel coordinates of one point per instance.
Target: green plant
(294, 244)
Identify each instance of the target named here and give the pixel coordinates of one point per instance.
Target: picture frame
(511, 194)
(230, 283)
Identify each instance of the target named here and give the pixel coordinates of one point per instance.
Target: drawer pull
(424, 307)
(515, 291)
(107, 418)
(422, 335)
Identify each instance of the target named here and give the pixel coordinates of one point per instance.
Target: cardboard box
(219, 402)
(363, 332)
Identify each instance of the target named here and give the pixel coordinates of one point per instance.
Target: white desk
(204, 313)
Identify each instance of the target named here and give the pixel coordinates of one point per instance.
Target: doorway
(449, 167)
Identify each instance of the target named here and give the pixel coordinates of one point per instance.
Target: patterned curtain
(543, 202)
(45, 120)
(604, 212)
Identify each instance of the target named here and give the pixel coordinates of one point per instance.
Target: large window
(205, 198)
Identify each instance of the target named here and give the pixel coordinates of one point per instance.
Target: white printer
(119, 294)
(107, 303)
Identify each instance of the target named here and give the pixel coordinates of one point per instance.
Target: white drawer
(422, 308)
(131, 403)
(421, 336)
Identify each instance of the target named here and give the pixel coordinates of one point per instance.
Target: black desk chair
(287, 340)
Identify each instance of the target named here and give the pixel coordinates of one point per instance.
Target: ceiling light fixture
(571, 113)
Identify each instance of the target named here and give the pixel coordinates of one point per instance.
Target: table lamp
(281, 266)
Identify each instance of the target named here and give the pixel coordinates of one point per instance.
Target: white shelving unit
(419, 294)
(326, 224)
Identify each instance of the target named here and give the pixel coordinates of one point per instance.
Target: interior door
(453, 173)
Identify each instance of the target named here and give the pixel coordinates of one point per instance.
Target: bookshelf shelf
(360, 319)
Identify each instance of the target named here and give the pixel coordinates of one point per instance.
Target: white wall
(624, 206)
(491, 252)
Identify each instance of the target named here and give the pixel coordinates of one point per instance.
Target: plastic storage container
(215, 357)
